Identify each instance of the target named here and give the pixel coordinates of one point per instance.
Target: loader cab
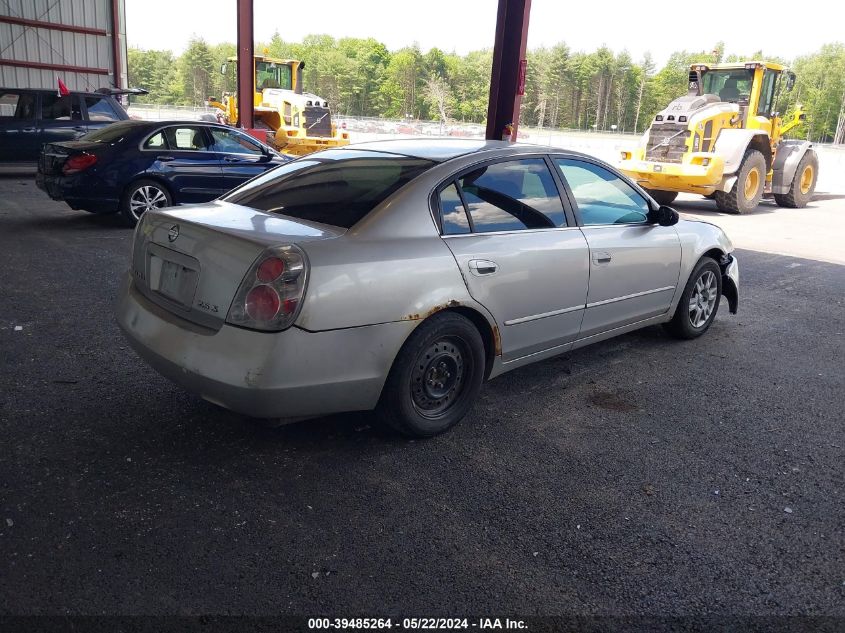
(751, 85)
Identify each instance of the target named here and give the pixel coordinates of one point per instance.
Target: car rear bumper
(290, 374)
(78, 191)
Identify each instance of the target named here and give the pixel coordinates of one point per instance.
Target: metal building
(83, 42)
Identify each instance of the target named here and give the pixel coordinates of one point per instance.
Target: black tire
(799, 194)
(711, 196)
(739, 199)
(435, 378)
(683, 323)
(155, 191)
(662, 197)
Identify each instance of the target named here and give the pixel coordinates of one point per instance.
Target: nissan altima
(397, 276)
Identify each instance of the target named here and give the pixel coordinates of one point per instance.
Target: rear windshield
(109, 133)
(334, 187)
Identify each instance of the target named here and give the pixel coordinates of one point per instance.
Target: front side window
(17, 105)
(337, 187)
(512, 196)
(186, 138)
(231, 142)
(100, 109)
(65, 108)
(602, 197)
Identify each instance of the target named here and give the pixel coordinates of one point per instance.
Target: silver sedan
(399, 275)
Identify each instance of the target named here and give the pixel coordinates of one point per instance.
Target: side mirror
(664, 216)
(790, 81)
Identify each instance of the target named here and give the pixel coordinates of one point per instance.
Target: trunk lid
(191, 260)
(54, 155)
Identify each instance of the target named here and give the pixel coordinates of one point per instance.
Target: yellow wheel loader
(297, 122)
(725, 140)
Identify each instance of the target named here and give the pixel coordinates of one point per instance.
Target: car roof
(86, 93)
(434, 149)
(441, 150)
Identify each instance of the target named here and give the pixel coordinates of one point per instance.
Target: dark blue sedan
(134, 166)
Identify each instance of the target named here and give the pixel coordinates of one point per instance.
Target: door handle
(28, 129)
(79, 128)
(164, 159)
(601, 257)
(231, 159)
(482, 267)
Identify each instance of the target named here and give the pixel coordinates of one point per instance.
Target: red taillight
(262, 303)
(270, 295)
(270, 269)
(78, 163)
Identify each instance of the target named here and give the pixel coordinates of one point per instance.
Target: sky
(465, 25)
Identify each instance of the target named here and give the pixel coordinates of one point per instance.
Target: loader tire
(803, 183)
(747, 191)
(662, 197)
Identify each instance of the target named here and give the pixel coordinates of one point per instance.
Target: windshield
(730, 85)
(334, 187)
(110, 133)
(272, 75)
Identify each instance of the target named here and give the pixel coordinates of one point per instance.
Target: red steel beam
(66, 67)
(246, 69)
(115, 40)
(53, 26)
(507, 79)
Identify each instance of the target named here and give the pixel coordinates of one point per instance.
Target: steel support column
(246, 90)
(507, 81)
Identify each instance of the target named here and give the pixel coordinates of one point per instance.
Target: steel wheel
(752, 183)
(807, 178)
(703, 299)
(437, 378)
(146, 198)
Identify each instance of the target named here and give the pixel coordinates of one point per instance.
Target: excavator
(725, 140)
(297, 122)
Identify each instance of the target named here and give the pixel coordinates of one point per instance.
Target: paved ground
(638, 476)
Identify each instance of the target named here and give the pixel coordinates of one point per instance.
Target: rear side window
(337, 191)
(100, 109)
(186, 138)
(17, 105)
(156, 141)
(507, 196)
(65, 108)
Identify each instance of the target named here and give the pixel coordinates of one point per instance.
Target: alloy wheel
(703, 299)
(145, 199)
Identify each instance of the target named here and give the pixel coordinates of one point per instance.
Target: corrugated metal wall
(25, 43)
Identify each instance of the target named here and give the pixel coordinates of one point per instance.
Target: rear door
(241, 157)
(634, 264)
(521, 258)
(181, 156)
(61, 118)
(18, 127)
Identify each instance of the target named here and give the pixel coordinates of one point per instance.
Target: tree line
(601, 90)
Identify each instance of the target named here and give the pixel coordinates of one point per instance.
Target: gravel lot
(637, 476)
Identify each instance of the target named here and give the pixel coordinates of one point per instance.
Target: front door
(505, 224)
(634, 264)
(184, 160)
(18, 129)
(241, 157)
